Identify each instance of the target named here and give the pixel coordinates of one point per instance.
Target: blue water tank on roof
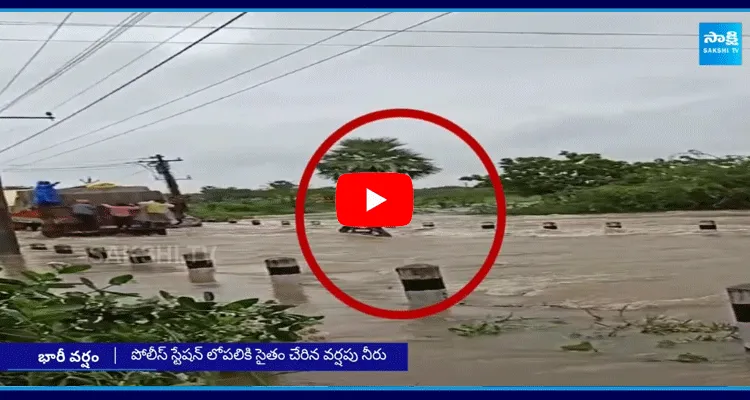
(46, 194)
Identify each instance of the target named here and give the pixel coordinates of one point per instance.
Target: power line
(126, 84)
(114, 33)
(92, 168)
(69, 167)
(417, 46)
(36, 53)
(267, 81)
(149, 51)
(277, 59)
(320, 29)
(118, 161)
(141, 171)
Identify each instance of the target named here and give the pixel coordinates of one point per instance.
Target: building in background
(10, 193)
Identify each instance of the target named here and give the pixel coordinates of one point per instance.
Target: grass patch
(672, 332)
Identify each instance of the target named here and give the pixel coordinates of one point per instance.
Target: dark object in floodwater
(200, 267)
(707, 225)
(315, 223)
(488, 225)
(285, 223)
(97, 253)
(38, 246)
(232, 221)
(282, 266)
(423, 284)
(549, 225)
(139, 256)
(198, 260)
(428, 224)
(739, 297)
(379, 232)
(255, 222)
(63, 249)
(208, 296)
(209, 220)
(613, 225)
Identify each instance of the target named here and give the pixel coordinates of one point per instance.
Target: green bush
(647, 197)
(45, 308)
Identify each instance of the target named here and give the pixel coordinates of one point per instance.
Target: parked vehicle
(58, 220)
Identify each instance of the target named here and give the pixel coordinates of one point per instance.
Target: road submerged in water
(657, 264)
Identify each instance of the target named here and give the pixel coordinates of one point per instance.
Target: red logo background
(351, 199)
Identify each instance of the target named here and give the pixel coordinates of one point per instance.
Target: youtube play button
(374, 199)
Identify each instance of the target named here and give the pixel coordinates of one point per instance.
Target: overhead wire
(431, 46)
(36, 53)
(126, 84)
(104, 167)
(68, 167)
(133, 61)
(124, 25)
(415, 46)
(245, 72)
(140, 171)
(320, 29)
(254, 86)
(444, 31)
(108, 161)
(93, 168)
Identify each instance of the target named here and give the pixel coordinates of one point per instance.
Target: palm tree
(375, 155)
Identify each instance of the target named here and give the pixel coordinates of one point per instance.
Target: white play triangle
(373, 200)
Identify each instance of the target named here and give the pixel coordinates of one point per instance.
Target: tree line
(587, 182)
(572, 182)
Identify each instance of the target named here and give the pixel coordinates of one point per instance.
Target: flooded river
(658, 264)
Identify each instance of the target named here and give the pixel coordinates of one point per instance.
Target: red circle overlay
(304, 184)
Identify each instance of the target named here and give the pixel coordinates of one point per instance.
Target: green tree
(481, 181)
(282, 185)
(285, 189)
(375, 155)
(690, 181)
(544, 175)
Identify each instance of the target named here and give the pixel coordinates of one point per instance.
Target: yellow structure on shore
(11, 192)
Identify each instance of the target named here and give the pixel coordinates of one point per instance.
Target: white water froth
(604, 304)
(529, 286)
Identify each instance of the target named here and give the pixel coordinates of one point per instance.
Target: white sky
(625, 103)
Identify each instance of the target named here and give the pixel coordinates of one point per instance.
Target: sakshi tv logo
(720, 43)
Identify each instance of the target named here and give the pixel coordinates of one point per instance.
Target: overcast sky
(624, 103)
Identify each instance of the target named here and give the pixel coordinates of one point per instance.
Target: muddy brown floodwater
(658, 264)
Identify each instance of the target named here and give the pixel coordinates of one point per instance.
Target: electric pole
(8, 240)
(163, 168)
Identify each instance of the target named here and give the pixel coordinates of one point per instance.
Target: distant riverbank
(245, 203)
(478, 201)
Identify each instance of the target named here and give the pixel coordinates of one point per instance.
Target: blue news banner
(184, 357)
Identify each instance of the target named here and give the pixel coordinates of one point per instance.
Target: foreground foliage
(45, 308)
(670, 332)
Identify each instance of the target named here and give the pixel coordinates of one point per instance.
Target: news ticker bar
(185, 357)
